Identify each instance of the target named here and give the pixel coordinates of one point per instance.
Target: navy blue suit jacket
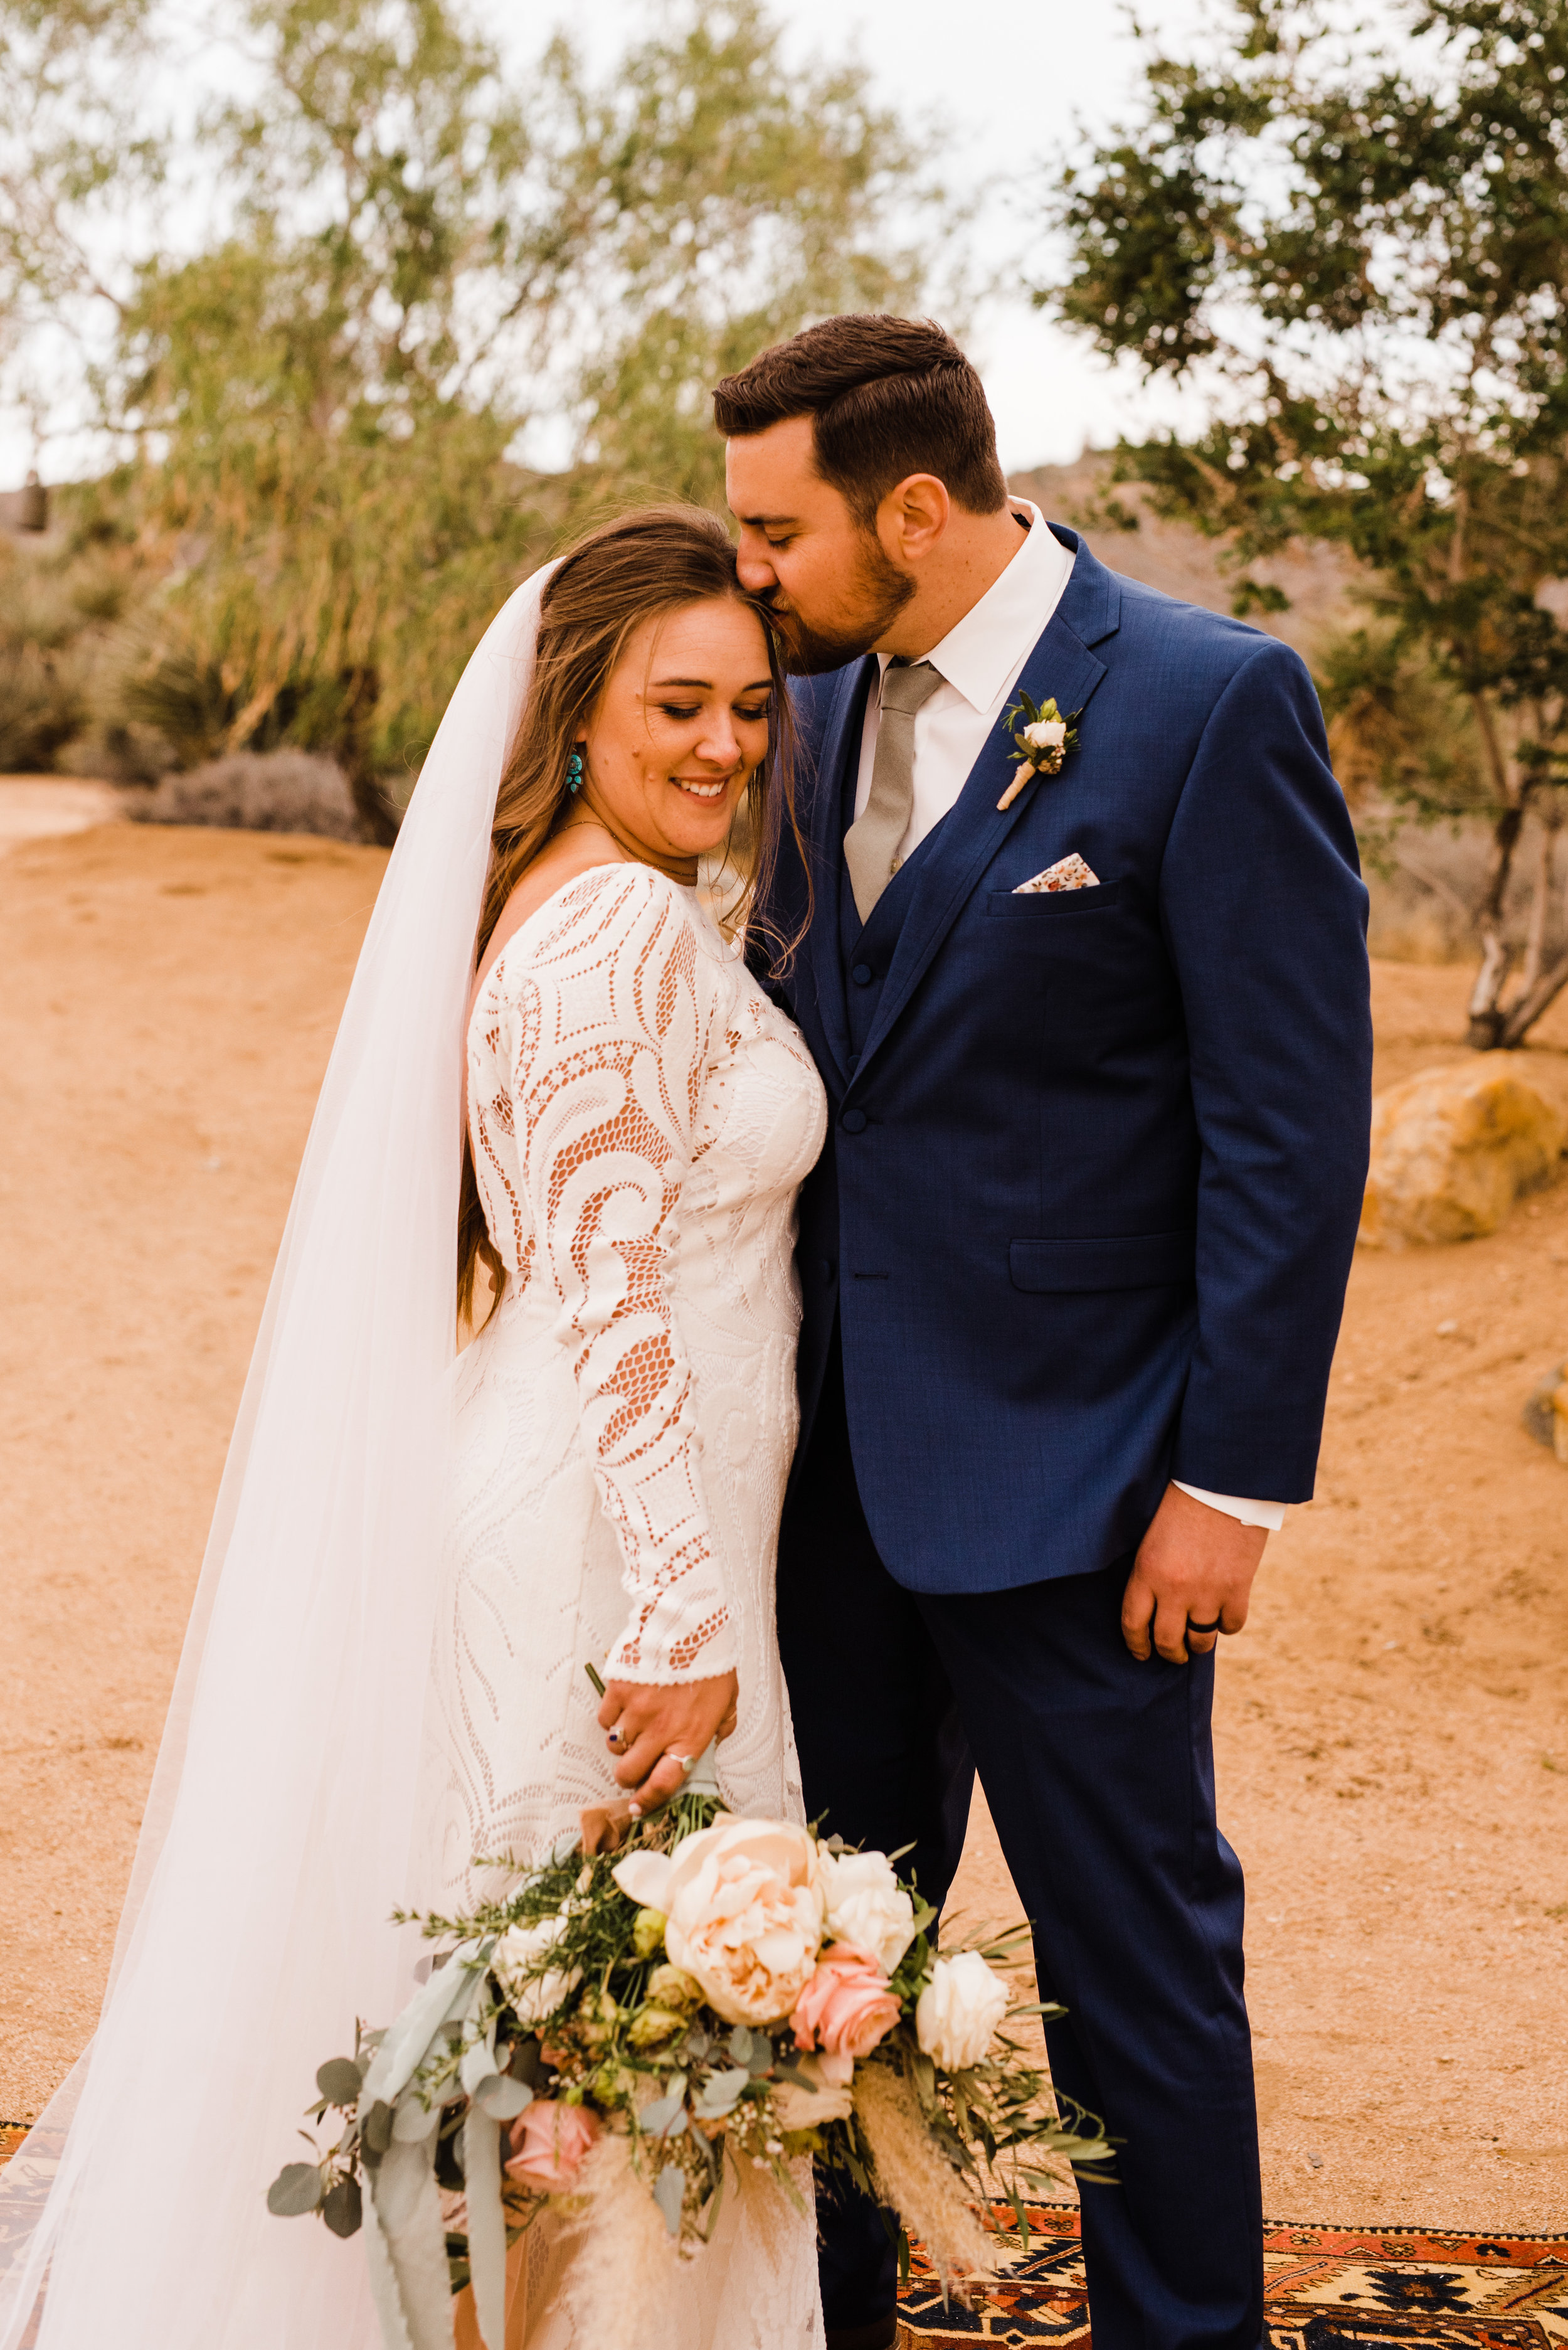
(1089, 1195)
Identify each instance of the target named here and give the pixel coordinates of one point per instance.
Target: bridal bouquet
(624, 2034)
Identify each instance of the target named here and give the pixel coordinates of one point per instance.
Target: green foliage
(415, 254)
(1364, 259)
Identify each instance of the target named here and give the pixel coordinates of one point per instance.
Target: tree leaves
(416, 255)
(1362, 254)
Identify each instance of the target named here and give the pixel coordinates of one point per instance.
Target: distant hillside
(1181, 562)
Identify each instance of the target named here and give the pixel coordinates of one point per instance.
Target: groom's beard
(869, 603)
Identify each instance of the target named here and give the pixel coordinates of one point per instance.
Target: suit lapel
(840, 744)
(1061, 665)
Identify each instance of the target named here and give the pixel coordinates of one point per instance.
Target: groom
(1097, 1052)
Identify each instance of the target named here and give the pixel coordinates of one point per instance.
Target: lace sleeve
(614, 1012)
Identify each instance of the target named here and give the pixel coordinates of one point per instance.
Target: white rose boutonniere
(1042, 739)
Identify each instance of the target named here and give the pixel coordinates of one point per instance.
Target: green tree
(415, 254)
(1362, 256)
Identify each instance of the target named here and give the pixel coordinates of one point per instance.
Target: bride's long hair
(646, 564)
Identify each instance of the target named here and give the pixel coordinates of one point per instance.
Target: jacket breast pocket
(1142, 1260)
(1053, 905)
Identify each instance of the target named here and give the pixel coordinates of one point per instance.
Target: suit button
(862, 974)
(854, 1122)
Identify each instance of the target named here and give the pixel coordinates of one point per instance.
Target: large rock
(1546, 1413)
(1453, 1148)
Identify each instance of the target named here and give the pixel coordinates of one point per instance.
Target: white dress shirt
(981, 660)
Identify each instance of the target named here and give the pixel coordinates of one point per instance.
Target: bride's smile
(679, 731)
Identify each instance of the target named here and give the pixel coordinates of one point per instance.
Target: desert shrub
(259, 791)
(42, 706)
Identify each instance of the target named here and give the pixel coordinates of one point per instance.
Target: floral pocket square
(1067, 873)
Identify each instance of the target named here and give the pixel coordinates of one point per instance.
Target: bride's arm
(615, 1014)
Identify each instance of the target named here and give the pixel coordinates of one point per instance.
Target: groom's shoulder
(1194, 647)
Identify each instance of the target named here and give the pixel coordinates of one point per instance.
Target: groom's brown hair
(887, 397)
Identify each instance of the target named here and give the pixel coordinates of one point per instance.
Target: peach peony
(847, 2007)
(744, 1902)
(548, 2142)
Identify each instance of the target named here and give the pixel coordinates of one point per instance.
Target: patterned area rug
(1326, 2289)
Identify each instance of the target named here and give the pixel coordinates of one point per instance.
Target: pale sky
(1009, 81)
(1010, 78)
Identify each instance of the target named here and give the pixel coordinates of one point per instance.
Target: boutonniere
(1042, 737)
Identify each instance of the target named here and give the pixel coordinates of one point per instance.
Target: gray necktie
(871, 843)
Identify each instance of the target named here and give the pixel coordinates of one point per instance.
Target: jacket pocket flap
(1146, 1261)
(1049, 905)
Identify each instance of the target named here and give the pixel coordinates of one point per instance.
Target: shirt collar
(984, 651)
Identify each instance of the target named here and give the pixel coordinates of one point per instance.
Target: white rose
(514, 1961)
(1046, 734)
(744, 1904)
(959, 2009)
(866, 1905)
(830, 2100)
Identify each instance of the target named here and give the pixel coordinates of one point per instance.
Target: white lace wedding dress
(641, 1116)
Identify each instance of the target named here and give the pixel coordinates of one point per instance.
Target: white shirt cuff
(1251, 1513)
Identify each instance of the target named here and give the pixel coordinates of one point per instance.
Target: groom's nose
(753, 561)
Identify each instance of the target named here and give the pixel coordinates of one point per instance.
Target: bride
(414, 1558)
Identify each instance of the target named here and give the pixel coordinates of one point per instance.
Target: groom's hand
(1194, 1564)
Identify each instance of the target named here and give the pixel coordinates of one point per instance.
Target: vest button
(861, 974)
(828, 1268)
(854, 1122)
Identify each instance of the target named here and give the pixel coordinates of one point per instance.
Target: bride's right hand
(656, 1722)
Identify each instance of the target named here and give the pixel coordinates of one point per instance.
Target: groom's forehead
(771, 474)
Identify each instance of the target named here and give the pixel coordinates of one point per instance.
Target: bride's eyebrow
(705, 684)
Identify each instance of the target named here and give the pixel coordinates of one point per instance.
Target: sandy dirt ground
(1393, 1726)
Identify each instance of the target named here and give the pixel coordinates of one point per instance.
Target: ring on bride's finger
(614, 1742)
(688, 1761)
(1204, 1628)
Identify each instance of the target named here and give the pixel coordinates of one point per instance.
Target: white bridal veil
(280, 1830)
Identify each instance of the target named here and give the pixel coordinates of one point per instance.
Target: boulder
(1454, 1148)
(1546, 1413)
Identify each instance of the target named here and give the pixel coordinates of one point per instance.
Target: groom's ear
(912, 519)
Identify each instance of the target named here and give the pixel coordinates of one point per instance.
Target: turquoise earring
(575, 772)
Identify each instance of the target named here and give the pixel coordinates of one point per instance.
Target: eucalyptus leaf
(339, 2081)
(669, 2192)
(376, 2130)
(296, 2190)
(656, 2118)
(718, 2096)
(741, 2044)
(342, 2208)
(501, 2098)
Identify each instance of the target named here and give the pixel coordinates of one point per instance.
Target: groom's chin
(806, 654)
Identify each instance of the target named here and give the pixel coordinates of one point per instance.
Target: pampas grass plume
(916, 2178)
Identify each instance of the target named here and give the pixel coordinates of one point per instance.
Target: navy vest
(867, 953)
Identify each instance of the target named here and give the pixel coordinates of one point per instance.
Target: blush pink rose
(847, 2007)
(549, 2143)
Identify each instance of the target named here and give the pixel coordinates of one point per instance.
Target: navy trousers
(1098, 1771)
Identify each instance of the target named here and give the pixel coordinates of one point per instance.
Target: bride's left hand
(659, 1721)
